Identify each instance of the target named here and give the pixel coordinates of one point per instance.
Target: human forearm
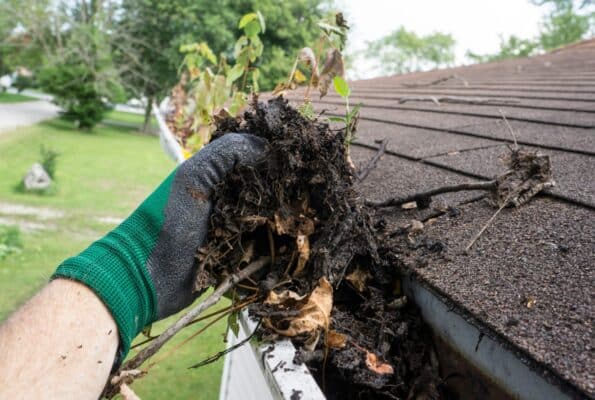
(60, 344)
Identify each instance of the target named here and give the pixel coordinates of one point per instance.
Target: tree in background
(161, 28)
(405, 51)
(511, 47)
(74, 41)
(562, 25)
(18, 48)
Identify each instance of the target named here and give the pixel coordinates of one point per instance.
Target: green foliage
(564, 25)
(323, 61)
(214, 84)
(351, 115)
(162, 27)
(74, 90)
(341, 87)
(561, 26)
(511, 47)
(10, 241)
(405, 51)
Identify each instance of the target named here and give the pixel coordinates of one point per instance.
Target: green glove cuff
(115, 267)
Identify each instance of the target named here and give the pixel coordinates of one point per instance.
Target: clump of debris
(308, 256)
(327, 285)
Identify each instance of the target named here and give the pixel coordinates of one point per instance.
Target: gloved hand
(143, 270)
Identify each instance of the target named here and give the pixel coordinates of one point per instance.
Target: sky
(474, 24)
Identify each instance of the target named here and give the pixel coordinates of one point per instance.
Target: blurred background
(78, 142)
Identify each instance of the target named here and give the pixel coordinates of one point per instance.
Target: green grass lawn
(14, 98)
(103, 173)
(127, 118)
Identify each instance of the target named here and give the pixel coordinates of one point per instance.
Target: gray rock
(37, 178)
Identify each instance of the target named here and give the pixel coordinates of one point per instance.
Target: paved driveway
(14, 115)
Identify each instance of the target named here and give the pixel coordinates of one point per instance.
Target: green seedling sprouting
(351, 114)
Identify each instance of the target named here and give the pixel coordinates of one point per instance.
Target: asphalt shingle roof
(543, 250)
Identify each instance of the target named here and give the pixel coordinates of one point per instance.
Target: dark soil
(298, 205)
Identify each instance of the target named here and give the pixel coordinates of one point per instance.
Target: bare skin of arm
(61, 344)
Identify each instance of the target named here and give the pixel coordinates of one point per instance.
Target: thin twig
(271, 244)
(485, 227)
(229, 282)
(220, 354)
(516, 145)
(437, 81)
(489, 185)
(225, 311)
(189, 338)
(372, 163)
(456, 100)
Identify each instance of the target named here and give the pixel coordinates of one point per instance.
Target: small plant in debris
(10, 241)
(351, 117)
(211, 88)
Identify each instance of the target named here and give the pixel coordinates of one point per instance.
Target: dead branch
(229, 282)
(456, 100)
(425, 197)
(516, 145)
(372, 163)
(436, 82)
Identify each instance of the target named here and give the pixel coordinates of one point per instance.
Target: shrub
(73, 87)
(10, 241)
(48, 160)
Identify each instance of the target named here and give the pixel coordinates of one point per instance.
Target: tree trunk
(147, 121)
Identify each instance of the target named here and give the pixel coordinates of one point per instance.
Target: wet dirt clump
(328, 285)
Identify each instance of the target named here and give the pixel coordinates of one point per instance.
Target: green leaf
(234, 73)
(261, 20)
(239, 101)
(242, 41)
(336, 119)
(341, 87)
(246, 19)
(186, 48)
(232, 323)
(252, 29)
(354, 111)
(206, 52)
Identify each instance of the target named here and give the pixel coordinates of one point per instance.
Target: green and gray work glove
(143, 270)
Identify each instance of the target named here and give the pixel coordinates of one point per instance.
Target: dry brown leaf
(333, 66)
(336, 340)
(282, 87)
(303, 247)
(377, 366)
(358, 279)
(307, 56)
(314, 312)
(283, 297)
(283, 226)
